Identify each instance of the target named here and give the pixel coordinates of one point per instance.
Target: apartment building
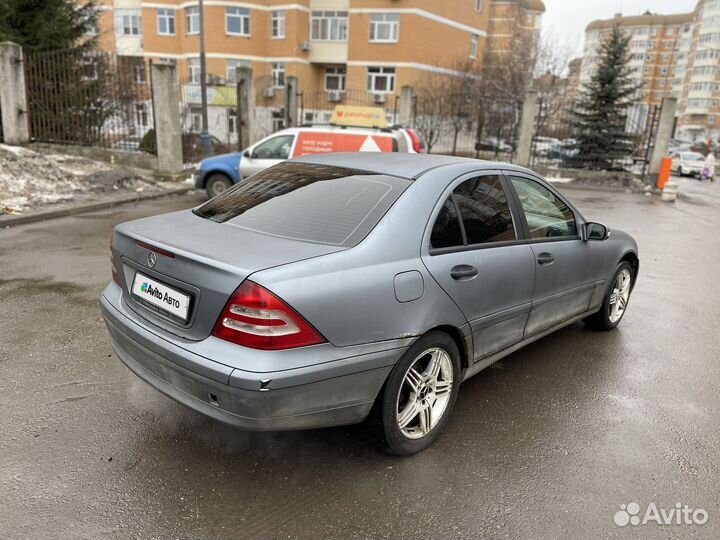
(513, 34)
(333, 47)
(673, 55)
(659, 52)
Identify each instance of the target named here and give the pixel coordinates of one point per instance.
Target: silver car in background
(335, 287)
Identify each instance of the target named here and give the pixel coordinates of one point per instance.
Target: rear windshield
(312, 203)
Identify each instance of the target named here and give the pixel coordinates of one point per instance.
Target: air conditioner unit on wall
(269, 92)
(334, 96)
(305, 46)
(379, 98)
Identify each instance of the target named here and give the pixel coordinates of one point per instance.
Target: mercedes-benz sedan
(331, 288)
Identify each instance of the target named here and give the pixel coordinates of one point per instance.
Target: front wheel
(615, 302)
(419, 395)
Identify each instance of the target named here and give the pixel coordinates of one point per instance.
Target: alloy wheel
(620, 295)
(425, 393)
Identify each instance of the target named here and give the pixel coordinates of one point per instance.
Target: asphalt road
(547, 443)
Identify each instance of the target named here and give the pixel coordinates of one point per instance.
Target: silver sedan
(333, 288)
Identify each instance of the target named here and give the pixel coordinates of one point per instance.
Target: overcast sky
(566, 20)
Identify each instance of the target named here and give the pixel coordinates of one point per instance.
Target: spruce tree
(44, 25)
(601, 113)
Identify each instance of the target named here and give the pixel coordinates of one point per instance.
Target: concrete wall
(13, 102)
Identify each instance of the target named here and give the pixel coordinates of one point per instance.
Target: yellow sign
(345, 115)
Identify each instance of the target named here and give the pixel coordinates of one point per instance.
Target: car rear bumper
(331, 393)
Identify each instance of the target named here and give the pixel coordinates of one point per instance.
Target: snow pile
(30, 179)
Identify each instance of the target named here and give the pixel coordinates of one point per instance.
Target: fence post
(406, 105)
(245, 106)
(291, 107)
(166, 99)
(663, 135)
(13, 97)
(527, 128)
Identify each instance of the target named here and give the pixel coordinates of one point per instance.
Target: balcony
(328, 52)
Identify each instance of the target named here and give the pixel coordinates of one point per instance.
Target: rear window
(311, 203)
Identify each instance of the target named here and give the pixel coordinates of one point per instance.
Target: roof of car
(410, 166)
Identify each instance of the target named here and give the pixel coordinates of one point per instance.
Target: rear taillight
(113, 270)
(256, 318)
(417, 146)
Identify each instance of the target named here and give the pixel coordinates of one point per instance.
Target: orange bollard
(665, 171)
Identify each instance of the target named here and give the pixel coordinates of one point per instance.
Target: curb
(12, 221)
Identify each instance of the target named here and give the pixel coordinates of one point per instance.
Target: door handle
(463, 271)
(545, 258)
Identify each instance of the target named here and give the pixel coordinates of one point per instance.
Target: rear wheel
(216, 184)
(615, 302)
(419, 395)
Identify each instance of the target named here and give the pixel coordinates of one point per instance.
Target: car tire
(216, 184)
(615, 301)
(433, 390)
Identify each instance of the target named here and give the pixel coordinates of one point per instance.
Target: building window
(384, 27)
(278, 75)
(670, 32)
(335, 78)
(141, 115)
(139, 72)
(194, 70)
(232, 66)
(278, 24)
(474, 42)
(195, 119)
(192, 20)
(329, 25)
(381, 79)
(232, 121)
(128, 22)
(166, 22)
(479, 6)
(711, 120)
(237, 21)
(664, 71)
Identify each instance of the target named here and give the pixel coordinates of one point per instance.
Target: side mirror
(596, 231)
(246, 154)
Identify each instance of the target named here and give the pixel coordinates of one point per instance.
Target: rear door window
(311, 203)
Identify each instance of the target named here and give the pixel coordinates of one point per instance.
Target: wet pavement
(549, 442)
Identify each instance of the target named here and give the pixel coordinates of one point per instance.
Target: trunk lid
(205, 262)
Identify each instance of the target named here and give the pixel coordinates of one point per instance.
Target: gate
(90, 98)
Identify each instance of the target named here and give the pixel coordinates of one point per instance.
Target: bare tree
(429, 114)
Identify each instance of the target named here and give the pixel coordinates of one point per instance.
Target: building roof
(533, 5)
(641, 20)
(530, 5)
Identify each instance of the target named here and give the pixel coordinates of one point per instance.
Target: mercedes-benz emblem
(152, 259)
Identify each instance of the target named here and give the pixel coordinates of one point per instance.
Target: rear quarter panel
(350, 296)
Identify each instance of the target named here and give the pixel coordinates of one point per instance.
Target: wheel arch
(632, 258)
(213, 172)
(463, 342)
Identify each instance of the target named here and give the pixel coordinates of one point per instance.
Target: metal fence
(551, 151)
(461, 125)
(90, 98)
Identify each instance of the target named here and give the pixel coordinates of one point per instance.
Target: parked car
(218, 173)
(334, 287)
(564, 151)
(493, 144)
(688, 163)
(543, 145)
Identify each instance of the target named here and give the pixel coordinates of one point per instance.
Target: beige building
(513, 34)
(672, 55)
(341, 51)
(659, 47)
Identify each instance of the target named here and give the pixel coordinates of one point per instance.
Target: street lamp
(205, 139)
